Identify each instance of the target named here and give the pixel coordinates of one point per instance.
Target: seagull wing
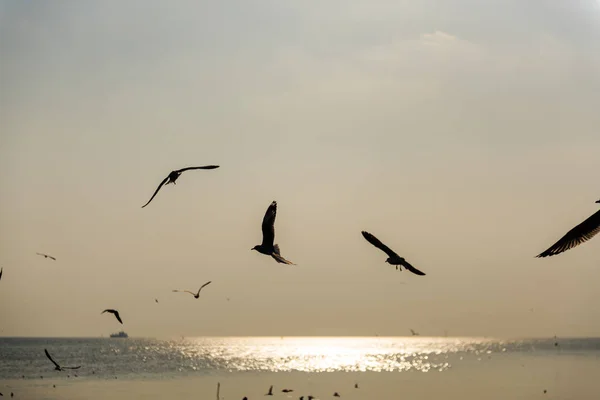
(268, 225)
(203, 167)
(77, 367)
(118, 316)
(412, 269)
(377, 243)
(53, 258)
(185, 291)
(157, 189)
(576, 236)
(50, 358)
(1, 269)
(206, 284)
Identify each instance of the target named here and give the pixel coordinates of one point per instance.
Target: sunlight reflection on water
(332, 354)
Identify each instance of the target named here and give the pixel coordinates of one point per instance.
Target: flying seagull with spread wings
(46, 256)
(393, 258)
(576, 236)
(268, 230)
(56, 366)
(172, 177)
(114, 312)
(196, 295)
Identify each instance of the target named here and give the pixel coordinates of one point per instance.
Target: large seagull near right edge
(393, 258)
(268, 230)
(576, 236)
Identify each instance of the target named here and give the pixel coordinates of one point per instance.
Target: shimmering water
(154, 359)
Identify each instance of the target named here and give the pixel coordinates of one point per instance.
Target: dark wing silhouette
(157, 189)
(576, 236)
(1, 269)
(50, 358)
(268, 225)
(52, 258)
(77, 367)
(377, 243)
(115, 313)
(204, 167)
(412, 269)
(206, 284)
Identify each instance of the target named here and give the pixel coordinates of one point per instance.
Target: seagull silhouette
(196, 295)
(172, 177)
(287, 390)
(268, 230)
(576, 236)
(115, 312)
(58, 367)
(1, 269)
(414, 333)
(393, 258)
(270, 392)
(46, 256)
(156, 300)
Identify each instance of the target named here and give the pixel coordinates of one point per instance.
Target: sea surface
(425, 367)
(151, 358)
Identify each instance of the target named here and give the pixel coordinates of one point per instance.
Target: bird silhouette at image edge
(114, 312)
(393, 258)
(173, 176)
(268, 230)
(196, 295)
(58, 367)
(576, 236)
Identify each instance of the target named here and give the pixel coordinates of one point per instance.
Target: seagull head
(255, 248)
(388, 260)
(598, 201)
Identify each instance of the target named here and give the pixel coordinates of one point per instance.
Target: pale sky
(462, 133)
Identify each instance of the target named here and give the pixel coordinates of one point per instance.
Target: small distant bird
(270, 392)
(115, 312)
(336, 394)
(1, 270)
(56, 366)
(46, 256)
(393, 258)
(196, 295)
(268, 230)
(172, 177)
(414, 333)
(576, 236)
(356, 386)
(156, 300)
(287, 390)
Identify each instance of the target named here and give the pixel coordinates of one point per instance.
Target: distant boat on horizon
(121, 334)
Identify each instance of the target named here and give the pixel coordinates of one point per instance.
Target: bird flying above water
(114, 312)
(196, 295)
(576, 236)
(173, 176)
(393, 258)
(58, 367)
(268, 230)
(46, 256)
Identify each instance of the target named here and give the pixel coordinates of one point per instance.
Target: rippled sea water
(133, 358)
